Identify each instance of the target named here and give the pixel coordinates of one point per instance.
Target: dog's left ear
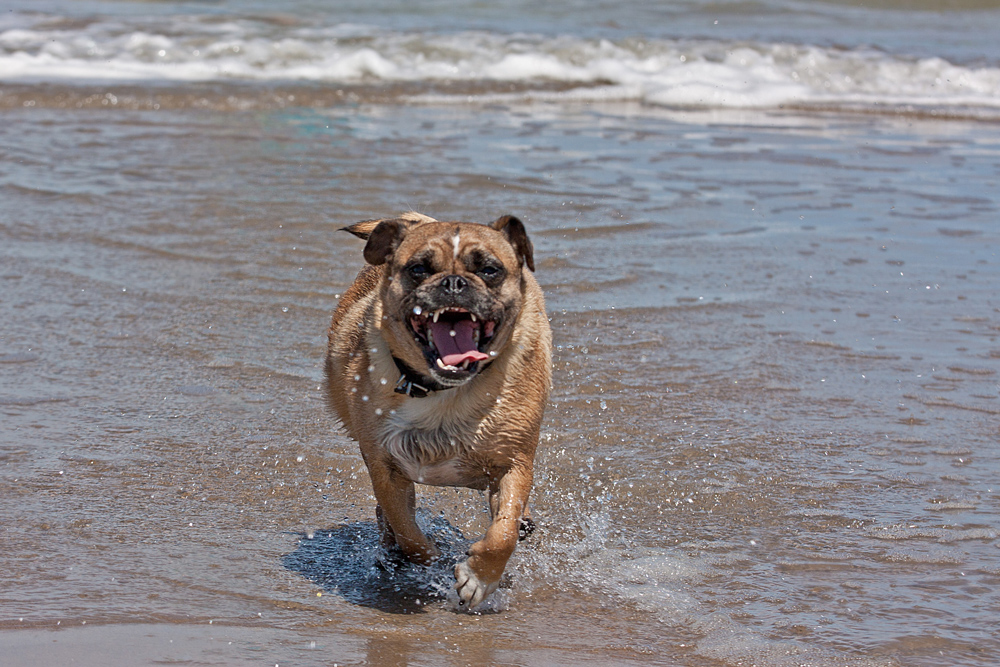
(513, 229)
(384, 239)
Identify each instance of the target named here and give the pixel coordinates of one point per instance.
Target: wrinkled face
(453, 296)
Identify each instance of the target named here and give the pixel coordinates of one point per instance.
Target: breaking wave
(666, 72)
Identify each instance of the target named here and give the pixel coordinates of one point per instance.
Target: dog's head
(453, 290)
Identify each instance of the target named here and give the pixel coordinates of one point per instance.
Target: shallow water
(773, 437)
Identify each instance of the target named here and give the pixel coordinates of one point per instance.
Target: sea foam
(669, 72)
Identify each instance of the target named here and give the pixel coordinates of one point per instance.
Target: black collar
(414, 384)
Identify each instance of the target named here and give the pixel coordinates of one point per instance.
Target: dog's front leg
(397, 508)
(480, 574)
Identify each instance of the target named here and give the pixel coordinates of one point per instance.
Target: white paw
(471, 591)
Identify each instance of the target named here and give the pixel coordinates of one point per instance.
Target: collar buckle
(410, 388)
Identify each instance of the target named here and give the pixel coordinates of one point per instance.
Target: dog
(439, 365)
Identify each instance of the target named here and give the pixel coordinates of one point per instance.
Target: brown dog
(439, 365)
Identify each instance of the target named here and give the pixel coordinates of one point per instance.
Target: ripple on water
(658, 581)
(931, 557)
(196, 390)
(944, 535)
(951, 506)
(31, 400)
(18, 357)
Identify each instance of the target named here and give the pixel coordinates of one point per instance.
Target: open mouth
(453, 339)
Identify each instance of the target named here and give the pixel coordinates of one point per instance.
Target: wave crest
(675, 73)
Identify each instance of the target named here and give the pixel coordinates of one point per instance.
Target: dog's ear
(361, 229)
(513, 229)
(364, 228)
(384, 238)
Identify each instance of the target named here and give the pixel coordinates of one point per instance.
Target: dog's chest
(436, 454)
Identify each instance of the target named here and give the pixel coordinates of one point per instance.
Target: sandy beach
(773, 435)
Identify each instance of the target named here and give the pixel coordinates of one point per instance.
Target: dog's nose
(454, 284)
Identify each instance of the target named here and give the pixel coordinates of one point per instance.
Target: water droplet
(417, 310)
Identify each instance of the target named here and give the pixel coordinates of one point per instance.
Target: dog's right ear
(384, 239)
(362, 229)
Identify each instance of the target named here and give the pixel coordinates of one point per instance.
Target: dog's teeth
(445, 367)
(473, 316)
(437, 314)
(465, 365)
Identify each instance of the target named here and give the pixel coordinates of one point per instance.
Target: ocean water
(767, 233)
(685, 54)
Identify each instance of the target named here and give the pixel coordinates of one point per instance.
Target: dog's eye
(418, 271)
(488, 272)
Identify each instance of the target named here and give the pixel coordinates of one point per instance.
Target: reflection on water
(772, 437)
(348, 561)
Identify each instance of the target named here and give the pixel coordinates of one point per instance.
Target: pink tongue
(458, 348)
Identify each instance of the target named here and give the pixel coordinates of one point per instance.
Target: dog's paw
(390, 559)
(471, 589)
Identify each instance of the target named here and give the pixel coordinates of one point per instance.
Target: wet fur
(481, 434)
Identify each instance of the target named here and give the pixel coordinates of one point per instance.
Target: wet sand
(772, 438)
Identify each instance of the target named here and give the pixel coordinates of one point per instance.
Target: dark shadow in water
(349, 561)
